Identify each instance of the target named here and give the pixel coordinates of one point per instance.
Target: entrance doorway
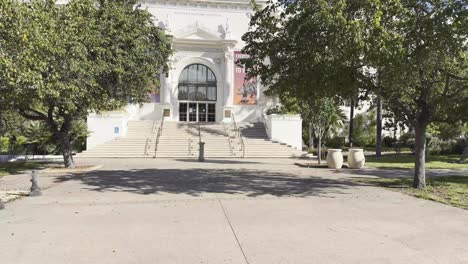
(197, 94)
(197, 112)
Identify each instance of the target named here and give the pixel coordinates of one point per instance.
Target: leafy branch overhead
(58, 62)
(411, 54)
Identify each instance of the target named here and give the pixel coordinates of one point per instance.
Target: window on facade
(192, 93)
(183, 93)
(211, 93)
(197, 83)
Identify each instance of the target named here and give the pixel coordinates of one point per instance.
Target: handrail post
(160, 130)
(201, 145)
(237, 131)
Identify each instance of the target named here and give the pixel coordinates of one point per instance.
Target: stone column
(228, 75)
(228, 84)
(167, 87)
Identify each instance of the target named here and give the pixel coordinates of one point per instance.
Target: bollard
(2, 205)
(201, 152)
(35, 190)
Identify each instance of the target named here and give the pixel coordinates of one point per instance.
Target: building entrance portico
(202, 82)
(197, 94)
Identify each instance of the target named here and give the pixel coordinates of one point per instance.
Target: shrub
(335, 142)
(388, 141)
(438, 146)
(410, 143)
(407, 136)
(459, 146)
(278, 109)
(4, 145)
(364, 129)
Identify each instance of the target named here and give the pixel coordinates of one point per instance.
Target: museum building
(204, 83)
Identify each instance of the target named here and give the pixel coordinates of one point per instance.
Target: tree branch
(32, 114)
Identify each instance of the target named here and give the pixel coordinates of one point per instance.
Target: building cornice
(214, 3)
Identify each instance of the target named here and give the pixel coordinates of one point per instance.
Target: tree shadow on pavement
(196, 182)
(218, 161)
(402, 173)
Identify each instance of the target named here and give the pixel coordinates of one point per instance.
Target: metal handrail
(239, 134)
(148, 140)
(158, 136)
(147, 146)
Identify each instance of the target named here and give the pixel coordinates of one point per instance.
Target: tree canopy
(60, 61)
(413, 54)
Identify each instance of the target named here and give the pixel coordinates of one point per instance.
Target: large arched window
(197, 83)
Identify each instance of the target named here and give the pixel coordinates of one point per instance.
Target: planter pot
(356, 158)
(334, 159)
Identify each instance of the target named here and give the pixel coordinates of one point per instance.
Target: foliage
(277, 109)
(413, 54)
(335, 142)
(388, 141)
(297, 48)
(34, 137)
(446, 131)
(419, 51)
(58, 62)
(10, 121)
(365, 129)
(326, 117)
(39, 138)
(436, 145)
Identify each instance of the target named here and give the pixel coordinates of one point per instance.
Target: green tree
(413, 54)
(419, 50)
(306, 49)
(322, 113)
(58, 62)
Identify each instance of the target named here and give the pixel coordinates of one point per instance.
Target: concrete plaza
(224, 211)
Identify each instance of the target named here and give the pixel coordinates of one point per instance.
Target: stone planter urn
(334, 159)
(356, 158)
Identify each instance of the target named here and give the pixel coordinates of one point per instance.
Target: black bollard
(2, 205)
(35, 190)
(201, 152)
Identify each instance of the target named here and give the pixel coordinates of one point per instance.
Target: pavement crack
(232, 229)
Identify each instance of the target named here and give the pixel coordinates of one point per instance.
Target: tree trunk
(319, 146)
(66, 151)
(351, 123)
(378, 145)
(311, 136)
(420, 154)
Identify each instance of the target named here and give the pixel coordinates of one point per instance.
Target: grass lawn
(20, 167)
(452, 190)
(405, 161)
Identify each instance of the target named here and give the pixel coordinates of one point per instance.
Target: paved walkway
(242, 211)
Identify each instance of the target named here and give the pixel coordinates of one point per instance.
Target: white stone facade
(205, 32)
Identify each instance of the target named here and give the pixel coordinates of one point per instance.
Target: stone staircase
(139, 142)
(257, 144)
(218, 138)
(180, 139)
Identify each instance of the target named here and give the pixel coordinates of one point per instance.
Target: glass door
(182, 111)
(192, 113)
(202, 112)
(211, 112)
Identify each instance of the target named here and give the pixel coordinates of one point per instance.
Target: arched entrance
(197, 94)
